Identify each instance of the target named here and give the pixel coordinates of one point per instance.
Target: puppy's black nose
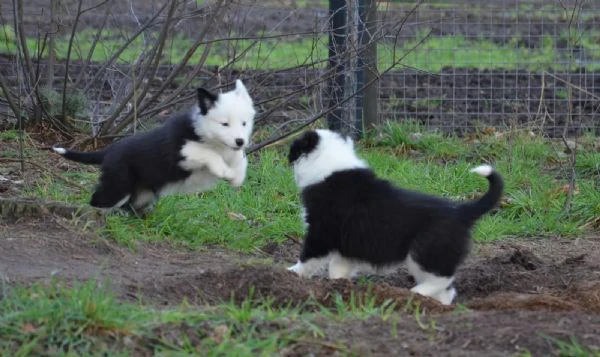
(239, 142)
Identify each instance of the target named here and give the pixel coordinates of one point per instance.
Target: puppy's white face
(319, 153)
(227, 118)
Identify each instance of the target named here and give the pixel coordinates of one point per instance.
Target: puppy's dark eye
(225, 124)
(244, 124)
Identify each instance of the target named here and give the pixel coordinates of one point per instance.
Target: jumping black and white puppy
(189, 153)
(358, 222)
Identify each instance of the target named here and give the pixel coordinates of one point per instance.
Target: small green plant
(9, 135)
(561, 93)
(588, 164)
(572, 348)
(76, 103)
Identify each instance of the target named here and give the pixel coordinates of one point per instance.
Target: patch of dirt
(515, 291)
(495, 333)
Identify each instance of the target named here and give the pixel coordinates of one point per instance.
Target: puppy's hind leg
(112, 192)
(142, 202)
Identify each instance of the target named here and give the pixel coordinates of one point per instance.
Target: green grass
(289, 51)
(436, 53)
(572, 348)
(267, 208)
(534, 196)
(264, 210)
(55, 189)
(85, 319)
(9, 135)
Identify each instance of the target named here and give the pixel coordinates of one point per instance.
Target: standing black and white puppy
(358, 222)
(189, 153)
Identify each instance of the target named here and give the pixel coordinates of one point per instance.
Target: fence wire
(520, 63)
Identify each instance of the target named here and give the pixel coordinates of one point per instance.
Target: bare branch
(151, 67)
(9, 98)
(316, 117)
(88, 60)
(123, 47)
(70, 46)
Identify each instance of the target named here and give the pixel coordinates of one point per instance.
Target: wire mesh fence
(463, 65)
(522, 63)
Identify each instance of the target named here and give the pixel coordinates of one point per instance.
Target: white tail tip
(61, 151)
(483, 170)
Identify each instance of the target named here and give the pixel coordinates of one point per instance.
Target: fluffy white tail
(483, 170)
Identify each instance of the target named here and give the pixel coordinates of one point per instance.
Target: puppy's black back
(366, 218)
(152, 159)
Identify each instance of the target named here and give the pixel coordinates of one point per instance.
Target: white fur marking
(61, 151)
(446, 296)
(198, 181)
(310, 267)
(122, 201)
(333, 153)
(234, 108)
(200, 156)
(344, 267)
(239, 166)
(304, 216)
(340, 267)
(483, 170)
(143, 198)
(429, 284)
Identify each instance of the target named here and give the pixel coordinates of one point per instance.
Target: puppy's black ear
(303, 145)
(206, 100)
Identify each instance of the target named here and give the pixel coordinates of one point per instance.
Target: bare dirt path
(515, 292)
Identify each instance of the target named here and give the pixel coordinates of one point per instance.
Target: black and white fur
(358, 222)
(189, 153)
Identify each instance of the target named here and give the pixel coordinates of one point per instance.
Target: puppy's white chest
(198, 181)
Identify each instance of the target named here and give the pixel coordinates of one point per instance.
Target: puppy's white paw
(297, 268)
(227, 174)
(239, 167)
(446, 296)
(237, 181)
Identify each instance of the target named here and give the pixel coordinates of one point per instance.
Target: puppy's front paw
(237, 182)
(296, 268)
(227, 174)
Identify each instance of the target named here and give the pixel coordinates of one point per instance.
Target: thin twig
(150, 67)
(573, 151)
(123, 47)
(568, 83)
(142, 103)
(573, 173)
(95, 42)
(68, 60)
(9, 99)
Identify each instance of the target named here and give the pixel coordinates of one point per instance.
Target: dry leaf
(28, 328)
(236, 216)
(564, 189)
(219, 332)
(488, 130)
